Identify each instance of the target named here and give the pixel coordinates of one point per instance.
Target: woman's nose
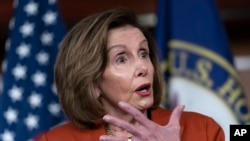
(141, 68)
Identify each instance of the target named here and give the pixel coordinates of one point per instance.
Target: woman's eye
(144, 54)
(120, 60)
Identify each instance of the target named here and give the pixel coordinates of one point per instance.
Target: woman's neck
(117, 112)
(117, 131)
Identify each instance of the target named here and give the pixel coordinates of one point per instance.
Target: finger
(135, 113)
(176, 115)
(112, 138)
(121, 123)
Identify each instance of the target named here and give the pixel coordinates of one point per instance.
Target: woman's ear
(97, 92)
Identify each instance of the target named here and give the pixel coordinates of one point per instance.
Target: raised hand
(147, 130)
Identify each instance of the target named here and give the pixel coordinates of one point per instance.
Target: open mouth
(143, 88)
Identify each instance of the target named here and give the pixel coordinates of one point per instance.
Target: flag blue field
(28, 101)
(198, 61)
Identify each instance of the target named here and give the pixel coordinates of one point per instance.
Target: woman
(109, 84)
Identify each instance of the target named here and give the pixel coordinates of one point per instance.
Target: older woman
(109, 85)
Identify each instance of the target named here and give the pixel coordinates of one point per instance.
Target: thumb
(176, 115)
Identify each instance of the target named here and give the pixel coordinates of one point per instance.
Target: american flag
(28, 100)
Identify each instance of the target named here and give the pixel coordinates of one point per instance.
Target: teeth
(144, 90)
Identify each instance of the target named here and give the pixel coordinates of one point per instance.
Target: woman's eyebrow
(144, 41)
(116, 46)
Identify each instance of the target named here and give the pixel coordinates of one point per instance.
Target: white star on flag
(42, 58)
(31, 8)
(35, 100)
(47, 38)
(54, 108)
(23, 50)
(39, 78)
(15, 93)
(11, 115)
(49, 18)
(19, 72)
(53, 87)
(31, 121)
(27, 29)
(7, 136)
(4, 65)
(15, 3)
(12, 23)
(52, 1)
(7, 44)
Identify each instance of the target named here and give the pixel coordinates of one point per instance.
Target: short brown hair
(82, 59)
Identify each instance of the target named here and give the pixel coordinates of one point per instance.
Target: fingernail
(102, 138)
(121, 104)
(182, 107)
(106, 117)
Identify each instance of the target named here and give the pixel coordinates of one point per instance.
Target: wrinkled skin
(126, 90)
(146, 130)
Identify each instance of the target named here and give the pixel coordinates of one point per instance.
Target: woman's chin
(144, 105)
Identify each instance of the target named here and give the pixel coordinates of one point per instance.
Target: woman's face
(129, 72)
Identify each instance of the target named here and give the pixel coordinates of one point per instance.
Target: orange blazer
(195, 127)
